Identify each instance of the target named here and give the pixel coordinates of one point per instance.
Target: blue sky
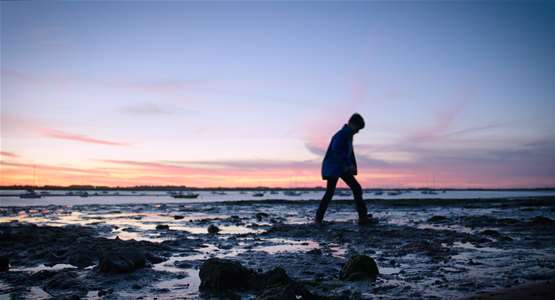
(252, 91)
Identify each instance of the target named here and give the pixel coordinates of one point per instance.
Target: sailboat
(31, 194)
(292, 193)
(188, 195)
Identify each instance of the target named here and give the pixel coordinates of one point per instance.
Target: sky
(233, 94)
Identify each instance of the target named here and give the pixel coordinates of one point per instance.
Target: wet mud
(424, 249)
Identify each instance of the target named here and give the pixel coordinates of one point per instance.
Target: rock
(122, 261)
(491, 232)
(541, 221)
(154, 259)
(437, 219)
(213, 229)
(63, 280)
(225, 246)
(4, 264)
(82, 259)
(359, 267)
(291, 291)
(162, 227)
(42, 275)
(178, 217)
(505, 238)
(69, 297)
(105, 292)
(276, 276)
(432, 248)
(219, 275)
(260, 216)
(316, 251)
(508, 221)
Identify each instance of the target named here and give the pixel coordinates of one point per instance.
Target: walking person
(340, 162)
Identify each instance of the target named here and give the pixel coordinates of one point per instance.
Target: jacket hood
(348, 129)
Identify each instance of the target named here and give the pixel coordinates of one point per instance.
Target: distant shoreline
(261, 188)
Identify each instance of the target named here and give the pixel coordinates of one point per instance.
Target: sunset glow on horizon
(246, 94)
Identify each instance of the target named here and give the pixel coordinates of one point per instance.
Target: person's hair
(357, 120)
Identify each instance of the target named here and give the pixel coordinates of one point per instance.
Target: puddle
(389, 270)
(338, 251)
(470, 246)
(41, 267)
(224, 229)
(458, 228)
(285, 245)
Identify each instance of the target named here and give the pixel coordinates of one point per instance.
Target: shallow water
(56, 197)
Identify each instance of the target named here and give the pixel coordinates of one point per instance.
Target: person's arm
(340, 147)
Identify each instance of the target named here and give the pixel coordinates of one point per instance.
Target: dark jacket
(340, 157)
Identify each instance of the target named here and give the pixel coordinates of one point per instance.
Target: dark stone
(491, 232)
(122, 261)
(508, 221)
(213, 229)
(82, 259)
(4, 264)
(359, 267)
(162, 227)
(438, 219)
(218, 275)
(42, 275)
(68, 297)
(260, 216)
(431, 248)
(276, 276)
(291, 291)
(154, 259)
(316, 251)
(178, 217)
(105, 292)
(63, 280)
(505, 238)
(541, 221)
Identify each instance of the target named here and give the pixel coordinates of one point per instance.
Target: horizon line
(164, 187)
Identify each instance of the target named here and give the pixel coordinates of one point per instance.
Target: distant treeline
(259, 188)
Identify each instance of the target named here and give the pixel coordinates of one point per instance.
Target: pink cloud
(8, 154)
(441, 124)
(45, 167)
(63, 135)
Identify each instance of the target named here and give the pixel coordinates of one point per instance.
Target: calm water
(122, 197)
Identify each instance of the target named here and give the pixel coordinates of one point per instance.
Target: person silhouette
(340, 162)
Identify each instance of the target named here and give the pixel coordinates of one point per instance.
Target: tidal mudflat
(423, 248)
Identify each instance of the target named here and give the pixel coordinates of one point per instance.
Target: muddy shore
(424, 249)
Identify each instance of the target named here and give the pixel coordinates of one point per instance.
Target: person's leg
(330, 190)
(351, 181)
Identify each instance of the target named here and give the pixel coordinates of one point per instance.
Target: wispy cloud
(254, 164)
(144, 108)
(8, 154)
(47, 167)
(441, 124)
(63, 135)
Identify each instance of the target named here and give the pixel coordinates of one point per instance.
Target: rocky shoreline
(271, 250)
